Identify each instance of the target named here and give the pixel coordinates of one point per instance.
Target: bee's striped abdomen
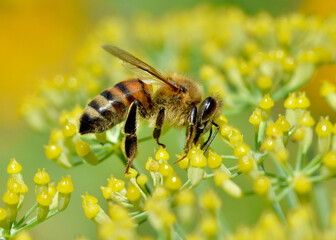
(111, 106)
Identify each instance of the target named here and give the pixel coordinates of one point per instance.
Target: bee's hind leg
(131, 140)
(158, 124)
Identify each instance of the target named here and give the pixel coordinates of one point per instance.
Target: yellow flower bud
(267, 102)
(14, 167)
(261, 185)
(44, 198)
(173, 182)
(133, 194)
(132, 173)
(197, 159)
(241, 150)
(41, 177)
(214, 160)
(329, 160)
(245, 164)
(52, 151)
(302, 184)
(162, 154)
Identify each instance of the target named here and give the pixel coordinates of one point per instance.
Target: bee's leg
(191, 128)
(158, 124)
(131, 140)
(190, 132)
(206, 145)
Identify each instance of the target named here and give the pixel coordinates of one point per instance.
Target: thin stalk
(322, 203)
(28, 213)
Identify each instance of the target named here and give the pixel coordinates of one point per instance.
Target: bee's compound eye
(208, 108)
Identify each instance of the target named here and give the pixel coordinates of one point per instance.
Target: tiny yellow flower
(162, 154)
(261, 185)
(267, 102)
(302, 184)
(14, 167)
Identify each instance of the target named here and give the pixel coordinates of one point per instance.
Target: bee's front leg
(131, 140)
(158, 124)
(191, 128)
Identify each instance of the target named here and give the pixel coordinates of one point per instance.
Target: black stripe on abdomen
(125, 91)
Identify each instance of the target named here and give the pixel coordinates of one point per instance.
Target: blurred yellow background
(39, 39)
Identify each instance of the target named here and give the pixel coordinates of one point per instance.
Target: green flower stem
(290, 196)
(318, 178)
(140, 215)
(313, 163)
(230, 157)
(28, 213)
(186, 184)
(322, 203)
(256, 140)
(283, 193)
(299, 159)
(33, 222)
(278, 210)
(313, 169)
(261, 133)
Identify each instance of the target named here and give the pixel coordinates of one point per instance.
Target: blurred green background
(39, 39)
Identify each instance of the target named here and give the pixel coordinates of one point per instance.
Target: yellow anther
(44, 198)
(308, 56)
(220, 177)
(207, 72)
(290, 102)
(329, 160)
(173, 182)
(184, 163)
(301, 184)
(152, 165)
(41, 177)
(52, 189)
(13, 186)
(3, 214)
(133, 194)
(327, 88)
(245, 164)
(298, 134)
(214, 160)
(264, 82)
(142, 180)
(55, 135)
(273, 130)
(221, 120)
(82, 148)
(52, 151)
(282, 154)
(107, 191)
(236, 138)
(282, 124)
(210, 201)
(209, 226)
(132, 173)
(197, 159)
(69, 130)
(162, 154)
(324, 127)
(14, 167)
(186, 197)
(261, 185)
(116, 184)
(307, 120)
(10, 198)
(302, 101)
(90, 206)
(65, 185)
(241, 150)
(165, 169)
(288, 64)
(226, 131)
(267, 102)
(256, 117)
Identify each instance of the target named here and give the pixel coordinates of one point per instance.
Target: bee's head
(207, 111)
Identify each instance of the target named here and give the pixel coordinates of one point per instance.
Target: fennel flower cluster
(50, 200)
(257, 65)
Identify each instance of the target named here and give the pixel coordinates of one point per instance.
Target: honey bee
(177, 101)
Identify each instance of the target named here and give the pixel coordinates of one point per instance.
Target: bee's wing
(140, 68)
